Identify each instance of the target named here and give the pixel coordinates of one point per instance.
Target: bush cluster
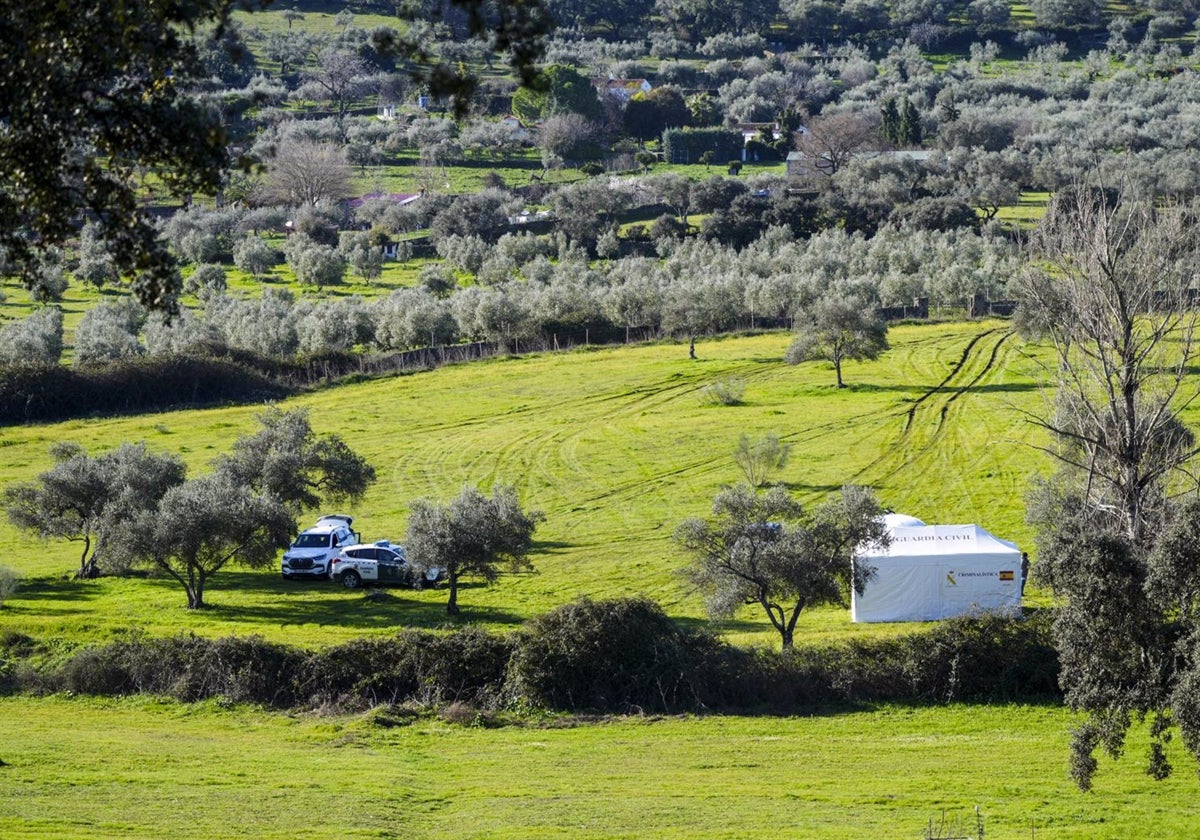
(622, 655)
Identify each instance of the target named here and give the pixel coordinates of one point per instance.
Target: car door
(365, 563)
(391, 566)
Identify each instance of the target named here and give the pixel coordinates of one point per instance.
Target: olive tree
(265, 326)
(87, 499)
(245, 510)
(472, 535)
(202, 525)
(96, 266)
(109, 331)
(289, 461)
(838, 327)
(766, 549)
(35, 339)
(365, 258)
(254, 256)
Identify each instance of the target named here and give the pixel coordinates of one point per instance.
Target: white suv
(380, 562)
(310, 555)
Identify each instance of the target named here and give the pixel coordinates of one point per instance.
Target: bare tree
(830, 142)
(305, 173)
(339, 79)
(564, 136)
(1110, 292)
(759, 458)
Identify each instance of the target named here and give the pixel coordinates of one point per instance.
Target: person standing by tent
(1024, 571)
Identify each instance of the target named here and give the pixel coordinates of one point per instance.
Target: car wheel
(351, 579)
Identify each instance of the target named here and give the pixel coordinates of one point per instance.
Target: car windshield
(311, 541)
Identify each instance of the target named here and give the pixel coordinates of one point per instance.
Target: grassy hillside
(144, 768)
(616, 446)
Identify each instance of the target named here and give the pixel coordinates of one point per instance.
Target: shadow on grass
(802, 487)
(725, 626)
(55, 589)
(326, 603)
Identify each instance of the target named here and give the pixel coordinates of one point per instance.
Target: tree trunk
(787, 634)
(837, 366)
(195, 592)
(452, 603)
(88, 570)
(87, 562)
(692, 348)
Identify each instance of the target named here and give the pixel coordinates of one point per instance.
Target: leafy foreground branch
(619, 656)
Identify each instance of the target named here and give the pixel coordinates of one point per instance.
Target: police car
(381, 562)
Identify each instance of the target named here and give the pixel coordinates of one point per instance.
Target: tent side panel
(899, 591)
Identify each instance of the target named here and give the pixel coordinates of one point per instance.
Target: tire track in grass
(928, 418)
(941, 386)
(544, 453)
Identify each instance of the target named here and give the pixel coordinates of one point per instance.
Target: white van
(312, 552)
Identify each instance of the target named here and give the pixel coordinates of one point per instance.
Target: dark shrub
(465, 666)
(187, 668)
(612, 656)
(936, 213)
(988, 657)
(34, 393)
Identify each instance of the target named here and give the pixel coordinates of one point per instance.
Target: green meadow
(615, 445)
(144, 768)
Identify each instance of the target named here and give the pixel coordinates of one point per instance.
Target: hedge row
(597, 656)
(686, 145)
(219, 375)
(215, 375)
(41, 393)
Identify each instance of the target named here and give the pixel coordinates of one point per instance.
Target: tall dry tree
(1110, 292)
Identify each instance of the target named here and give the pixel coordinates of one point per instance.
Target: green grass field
(143, 768)
(615, 445)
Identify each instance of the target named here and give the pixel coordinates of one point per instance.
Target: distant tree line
(529, 288)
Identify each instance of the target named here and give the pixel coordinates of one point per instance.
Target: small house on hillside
(759, 130)
(621, 89)
(518, 129)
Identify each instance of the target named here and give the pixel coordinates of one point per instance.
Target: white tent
(931, 572)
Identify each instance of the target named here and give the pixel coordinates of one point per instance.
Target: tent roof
(900, 520)
(935, 540)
